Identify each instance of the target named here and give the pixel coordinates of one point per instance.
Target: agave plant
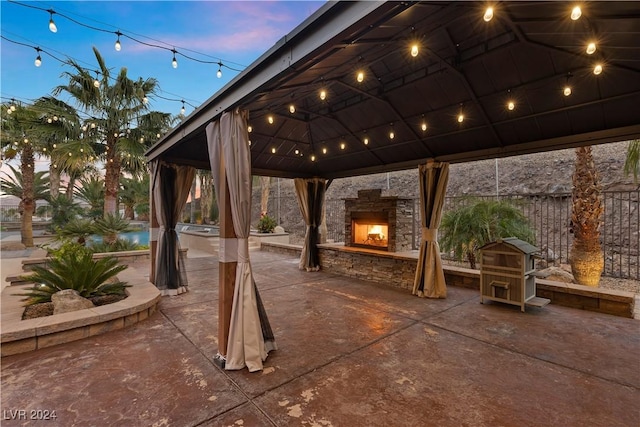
(73, 267)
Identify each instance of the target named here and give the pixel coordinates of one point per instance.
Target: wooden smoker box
(506, 273)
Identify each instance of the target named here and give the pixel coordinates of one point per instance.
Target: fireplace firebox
(380, 223)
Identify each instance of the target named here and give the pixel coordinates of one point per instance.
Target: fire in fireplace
(370, 230)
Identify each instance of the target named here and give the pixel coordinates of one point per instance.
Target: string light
(323, 94)
(273, 150)
(270, 119)
(38, 61)
(219, 73)
(145, 100)
(460, 118)
(576, 13)
(423, 126)
(313, 157)
(597, 69)
(292, 108)
(249, 128)
(174, 62)
(118, 46)
(511, 105)
(567, 89)
(182, 110)
(391, 132)
(343, 145)
(488, 14)
(591, 48)
(365, 141)
(52, 25)
(414, 50)
(360, 76)
(96, 82)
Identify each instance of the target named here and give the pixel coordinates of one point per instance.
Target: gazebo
(369, 87)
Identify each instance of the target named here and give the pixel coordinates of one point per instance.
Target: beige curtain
(310, 192)
(250, 335)
(170, 185)
(429, 281)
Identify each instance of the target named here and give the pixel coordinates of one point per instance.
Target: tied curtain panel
(429, 280)
(310, 192)
(250, 335)
(171, 185)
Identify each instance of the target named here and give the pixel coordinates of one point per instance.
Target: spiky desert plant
(110, 226)
(73, 267)
(586, 258)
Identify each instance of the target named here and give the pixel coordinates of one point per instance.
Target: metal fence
(549, 215)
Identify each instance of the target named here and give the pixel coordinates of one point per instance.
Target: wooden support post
(227, 268)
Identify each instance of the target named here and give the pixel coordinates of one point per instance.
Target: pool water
(137, 237)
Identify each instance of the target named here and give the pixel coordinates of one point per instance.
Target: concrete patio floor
(351, 353)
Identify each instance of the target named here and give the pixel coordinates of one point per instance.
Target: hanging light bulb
(576, 13)
(174, 62)
(273, 150)
(597, 69)
(567, 90)
(219, 73)
(38, 60)
(292, 108)
(423, 126)
(84, 128)
(360, 76)
(323, 94)
(13, 105)
(591, 47)
(270, 119)
(52, 25)
(249, 128)
(55, 146)
(157, 135)
(414, 50)
(96, 82)
(182, 110)
(460, 118)
(365, 141)
(392, 135)
(511, 105)
(297, 152)
(49, 120)
(55, 118)
(93, 125)
(343, 145)
(145, 100)
(324, 150)
(9, 110)
(488, 14)
(118, 46)
(313, 157)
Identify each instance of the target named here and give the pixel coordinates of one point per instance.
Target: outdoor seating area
(402, 360)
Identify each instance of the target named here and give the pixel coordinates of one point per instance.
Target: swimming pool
(137, 237)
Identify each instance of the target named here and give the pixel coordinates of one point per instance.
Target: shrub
(119, 245)
(72, 267)
(266, 224)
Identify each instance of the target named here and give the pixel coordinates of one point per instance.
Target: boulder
(69, 300)
(278, 229)
(556, 274)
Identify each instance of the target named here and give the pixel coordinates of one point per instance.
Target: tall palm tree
(90, 189)
(19, 138)
(115, 103)
(586, 257)
(12, 184)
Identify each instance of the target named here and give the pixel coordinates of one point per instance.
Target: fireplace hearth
(379, 223)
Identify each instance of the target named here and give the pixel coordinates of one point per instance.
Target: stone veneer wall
(399, 213)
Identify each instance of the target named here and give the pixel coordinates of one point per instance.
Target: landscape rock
(69, 300)
(556, 274)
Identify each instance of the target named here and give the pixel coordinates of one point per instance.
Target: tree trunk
(265, 184)
(27, 203)
(205, 196)
(54, 181)
(192, 217)
(128, 212)
(586, 259)
(111, 177)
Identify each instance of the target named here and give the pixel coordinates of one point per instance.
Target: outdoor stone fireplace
(380, 223)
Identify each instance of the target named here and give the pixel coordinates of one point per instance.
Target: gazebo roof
(526, 54)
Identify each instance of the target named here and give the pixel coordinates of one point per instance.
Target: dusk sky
(233, 32)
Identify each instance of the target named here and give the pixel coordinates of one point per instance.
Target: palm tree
(20, 138)
(265, 186)
(586, 257)
(632, 162)
(469, 227)
(90, 189)
(115, 102)
(134, 193)
(206, 194)
(12, 184)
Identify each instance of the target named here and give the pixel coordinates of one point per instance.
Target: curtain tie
(243, 250)
(429, 234)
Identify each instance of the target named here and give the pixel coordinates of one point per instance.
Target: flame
(377, 229)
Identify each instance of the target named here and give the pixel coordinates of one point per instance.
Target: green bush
(72, 267)
(266, 224)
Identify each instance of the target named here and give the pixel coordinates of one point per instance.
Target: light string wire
(218, 62)
(67, 62)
